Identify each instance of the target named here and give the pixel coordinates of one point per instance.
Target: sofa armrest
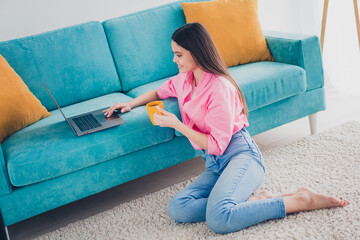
(5, 186)
(300, 50)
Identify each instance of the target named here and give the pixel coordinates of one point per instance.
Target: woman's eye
(178, 56)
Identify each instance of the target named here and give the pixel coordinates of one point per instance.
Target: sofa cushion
(234, 27)
(18, 106)
(301, 50)
(49, 148)
(135, 92)
(140, 44)
(263, 83)
(74, 62)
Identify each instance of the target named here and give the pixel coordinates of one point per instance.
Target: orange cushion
(234, 27)
(18, 106)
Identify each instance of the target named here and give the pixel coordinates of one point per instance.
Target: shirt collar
(203, 82)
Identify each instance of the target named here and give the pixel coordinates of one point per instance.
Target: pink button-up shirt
(215, 109)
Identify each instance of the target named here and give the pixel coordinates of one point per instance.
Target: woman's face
(183, 58)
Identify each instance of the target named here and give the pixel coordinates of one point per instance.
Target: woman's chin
(182, 70)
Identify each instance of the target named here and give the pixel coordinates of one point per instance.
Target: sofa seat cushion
(263, 83)
(49, 148)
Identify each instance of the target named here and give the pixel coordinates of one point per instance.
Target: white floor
(341, 107)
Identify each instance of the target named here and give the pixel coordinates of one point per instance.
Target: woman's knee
(216, 219)
(219, 220)
(181, 211)
(175, 210)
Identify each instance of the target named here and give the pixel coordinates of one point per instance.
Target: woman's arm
(170, 120)
(144, 99)
(138, 101)
(198, 138)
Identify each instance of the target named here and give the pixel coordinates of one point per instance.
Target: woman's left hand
(167, 120)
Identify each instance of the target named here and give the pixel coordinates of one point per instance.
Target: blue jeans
(219, 195)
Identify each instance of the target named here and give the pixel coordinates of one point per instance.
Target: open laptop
(91, 121)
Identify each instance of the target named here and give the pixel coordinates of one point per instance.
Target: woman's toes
(343, 203)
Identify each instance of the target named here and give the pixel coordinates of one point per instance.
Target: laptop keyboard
(86, 122)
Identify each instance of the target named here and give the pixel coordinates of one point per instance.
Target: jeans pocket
(210, 163)
(251, 144)
(255, 147)
(259, 157)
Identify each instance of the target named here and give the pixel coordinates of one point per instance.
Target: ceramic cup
(151, 108)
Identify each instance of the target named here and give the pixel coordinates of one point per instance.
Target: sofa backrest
(75, 63)
(140, 44)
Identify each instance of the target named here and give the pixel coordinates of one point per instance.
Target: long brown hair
(197, 40)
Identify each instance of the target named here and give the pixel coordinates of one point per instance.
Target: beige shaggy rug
(327, 162)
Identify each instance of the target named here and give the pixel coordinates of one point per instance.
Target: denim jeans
(219, 195)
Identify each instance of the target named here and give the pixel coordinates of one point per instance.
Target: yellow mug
(151, 108)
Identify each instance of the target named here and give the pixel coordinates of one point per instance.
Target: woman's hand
(170, 120)
(167, 120)
(123, 107)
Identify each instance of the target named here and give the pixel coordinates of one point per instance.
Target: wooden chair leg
(357, 20)
(323, 25)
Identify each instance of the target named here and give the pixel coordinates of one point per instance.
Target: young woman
(214, 115)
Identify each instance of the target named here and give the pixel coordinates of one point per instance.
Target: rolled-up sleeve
(167, 89)
(220, 119)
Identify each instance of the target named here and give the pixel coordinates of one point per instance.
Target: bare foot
(263, 195)
(266, 194)
(306, 200)
(319, 201)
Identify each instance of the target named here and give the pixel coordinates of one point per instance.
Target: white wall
(299, 16)
(19, 18)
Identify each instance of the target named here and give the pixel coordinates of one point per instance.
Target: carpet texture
(327, 162)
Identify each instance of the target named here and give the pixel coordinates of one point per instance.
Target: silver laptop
(90, 122)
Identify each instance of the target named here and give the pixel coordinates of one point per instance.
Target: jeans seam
(257, 152)
(282, 209)
(256, 147)
(251, 149)
(249, 162)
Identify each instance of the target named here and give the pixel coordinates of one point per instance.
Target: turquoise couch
(93, 65)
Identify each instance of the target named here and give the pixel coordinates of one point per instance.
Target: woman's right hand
(123, 107)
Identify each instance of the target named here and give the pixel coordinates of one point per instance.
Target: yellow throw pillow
(18, 106)
(234, 27)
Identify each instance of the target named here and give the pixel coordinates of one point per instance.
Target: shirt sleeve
(167, 89)
(220, 119)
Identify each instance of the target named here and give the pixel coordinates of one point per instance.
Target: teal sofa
(93, 65)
